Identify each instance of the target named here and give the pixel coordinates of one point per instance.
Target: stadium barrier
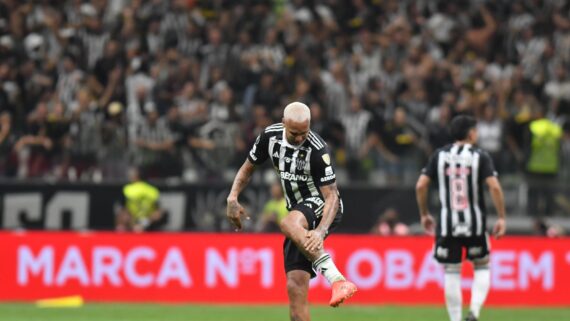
(189, 207)
(195, 207)
(248, 268)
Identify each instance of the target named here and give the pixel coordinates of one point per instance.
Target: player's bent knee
(289, 224)
(285, 226)
(295, 220)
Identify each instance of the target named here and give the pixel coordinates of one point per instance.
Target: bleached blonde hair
(297, 112)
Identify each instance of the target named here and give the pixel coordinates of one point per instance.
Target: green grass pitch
(144, 312)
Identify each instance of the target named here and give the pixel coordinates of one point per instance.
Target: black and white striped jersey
(302, 169)
(460, 170)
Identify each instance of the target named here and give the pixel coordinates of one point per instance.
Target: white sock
(480, 289)
(325, 265)
(452, 279)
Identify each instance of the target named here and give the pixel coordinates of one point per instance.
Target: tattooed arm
(316, 237)
(234, 210)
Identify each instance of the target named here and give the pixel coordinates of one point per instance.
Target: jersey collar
(286, 143)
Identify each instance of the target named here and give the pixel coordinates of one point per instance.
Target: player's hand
(234, 212)
(314, 240)
(428, 224)
(500, 228)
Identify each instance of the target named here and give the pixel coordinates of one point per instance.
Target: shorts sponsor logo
(442, 252)
(477, 250)
(315, 200)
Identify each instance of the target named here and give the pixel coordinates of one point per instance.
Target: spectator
(483, 28)
(558, 92)
(356, 124)
(7, 141)
(214, 54)
(274, 210)
(389, 224)
(140, 206)
(154, 144)
(192, 108)
(419, 64)
(542, 228)
(266, 94)
(69, 80)
(439, 135)
(113, 154)
(521, 114)
(414, 54)
(396, 142)
(93, 34)
(35, 148)
(337, 98)
(390, 76)
(490, 136)
(565, 151)
(542, 164)
(139, 88)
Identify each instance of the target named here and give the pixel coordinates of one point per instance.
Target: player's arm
(488, 174)
(257, 155)
(325, 178)
(234, 210)
(422, 193)
(422, 188)
(496, 192)
(429, 173)
(330, 194)
(316, 237)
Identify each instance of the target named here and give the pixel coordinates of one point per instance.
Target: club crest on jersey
(326, 159)
(301, 164)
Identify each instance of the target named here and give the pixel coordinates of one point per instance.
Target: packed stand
(181, 88)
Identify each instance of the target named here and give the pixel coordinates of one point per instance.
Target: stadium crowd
(181, 88)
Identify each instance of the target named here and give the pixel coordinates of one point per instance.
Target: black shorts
(449, 250)
(292, 256)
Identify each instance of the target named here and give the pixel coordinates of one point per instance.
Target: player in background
(302, 163)
(459, 171)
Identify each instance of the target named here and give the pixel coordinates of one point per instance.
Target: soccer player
(301, 160)
(459, 170)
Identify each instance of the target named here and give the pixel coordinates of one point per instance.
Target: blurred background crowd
(181, 88)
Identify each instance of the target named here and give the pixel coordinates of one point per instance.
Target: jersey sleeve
(259, 151)
(486, 166)
(431, 168)
(321, 167)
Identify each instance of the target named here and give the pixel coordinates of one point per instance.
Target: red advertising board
(248, 268)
